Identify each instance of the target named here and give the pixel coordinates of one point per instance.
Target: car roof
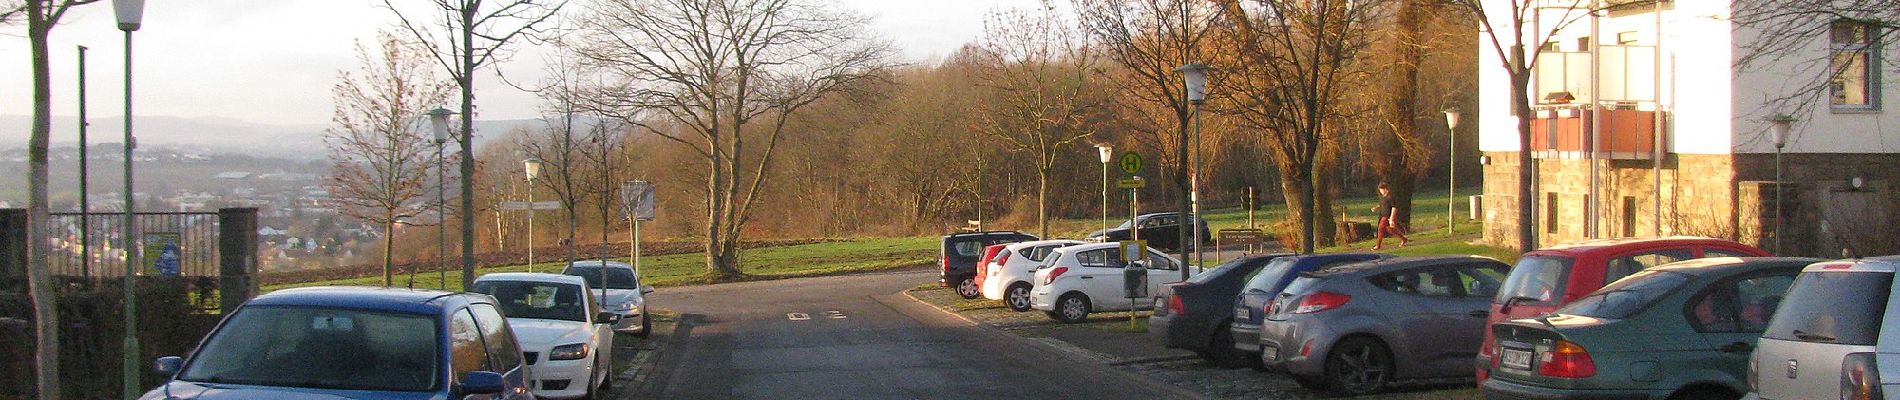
(598, 263)
(1594, 245)
(1396, 263)
(1888, 264)
(1035, 243)
(1705, 265)
(417, 301)
(532, 277)
(985, 233)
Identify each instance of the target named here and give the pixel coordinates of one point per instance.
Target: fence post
(12, 247)
(237, 257)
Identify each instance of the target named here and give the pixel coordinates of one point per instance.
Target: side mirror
(482, 382)
(644, 289)
(167, 366)
(606, 318)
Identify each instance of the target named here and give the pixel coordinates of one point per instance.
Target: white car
(1012, 279)
(565, 338)
(623, 294)
(1088, 278)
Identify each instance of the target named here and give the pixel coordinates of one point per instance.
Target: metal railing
(193, 234)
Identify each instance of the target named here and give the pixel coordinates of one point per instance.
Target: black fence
(92, 245)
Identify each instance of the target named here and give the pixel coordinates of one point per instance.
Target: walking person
(1388, 218)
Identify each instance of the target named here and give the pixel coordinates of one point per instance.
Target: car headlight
(568, 352)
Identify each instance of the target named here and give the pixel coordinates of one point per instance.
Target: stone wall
(1698, 198)
(1824, 214)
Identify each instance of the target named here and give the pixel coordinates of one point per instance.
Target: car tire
(1221, 352)
(1017, 297)
(1358, 366)
(1071, 308)
(967, 288)
(593, 392)
(646, 326)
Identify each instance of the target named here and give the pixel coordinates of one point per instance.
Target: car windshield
(1222, 269)
(1627, 296)
(617, 277)
(539, 300)
(1833, 307)
(1537, 277)
(324, 348)
(1265, 279)
(1125, 224)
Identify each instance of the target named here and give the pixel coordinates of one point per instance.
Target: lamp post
(439, 125)
(1108, 154)
(1451, 159)
(85, 202)
(1195, 77)
(532, 168)
(1782, 124)
(131, 14)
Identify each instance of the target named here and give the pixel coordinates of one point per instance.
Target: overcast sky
(274, 61)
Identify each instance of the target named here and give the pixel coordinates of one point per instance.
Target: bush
(91, 335)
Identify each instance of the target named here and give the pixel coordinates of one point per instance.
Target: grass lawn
(1428, 211)
(869, 254)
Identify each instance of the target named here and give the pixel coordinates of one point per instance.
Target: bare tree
(41, 16)
(727, 73)
(381, 162)
(1507, 32)
(1294, 61)
(1398, 154)
(562, 159)
(1043, 98)
(1150, 39)
(464, 36)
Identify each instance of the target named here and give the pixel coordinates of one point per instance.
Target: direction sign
(1132, 183)
(636, 200)
(1131, 163)
(522, 205)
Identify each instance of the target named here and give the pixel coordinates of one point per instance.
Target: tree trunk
(39, 278)
(1393, 163)
(1042, 201)
(1526, 193)
(389, 246)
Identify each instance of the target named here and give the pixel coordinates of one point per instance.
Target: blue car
(356, 343)
(1264, 284)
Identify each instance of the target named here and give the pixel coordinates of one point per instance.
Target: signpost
(636, 204)
(1134, 275)
(1251, 237)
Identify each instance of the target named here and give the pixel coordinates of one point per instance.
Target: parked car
(1160, 230)
(623, 294)
(1353, 329)
(1011, 279)
(1677, 331)
(1087, 278)
(983, 263)
(1830, 338)
(1195, 314)
(565, 337)
(353, 342)
(960, 253)
(1249, 306)
(1550, 277)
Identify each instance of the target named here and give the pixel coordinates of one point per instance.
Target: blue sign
(167, 262)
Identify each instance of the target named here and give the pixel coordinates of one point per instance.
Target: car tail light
(1860, 380)
(1566, 360)
(1320, 301)
(1002, 258)
(1176, 306)
(1053, 274)
(1272, 306)
(945, 262)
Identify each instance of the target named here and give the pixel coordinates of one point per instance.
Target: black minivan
(960, 254)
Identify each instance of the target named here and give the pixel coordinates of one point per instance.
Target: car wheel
(646, 326)
(1017, 296)
(1221, 352)
(967, 288)
(592, 391)
(1358, 366)
(1072, 308)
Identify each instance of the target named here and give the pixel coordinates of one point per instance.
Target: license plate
(1269, 353)
(1515, 359)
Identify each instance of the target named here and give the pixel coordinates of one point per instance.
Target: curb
(633, 382)
(1074, 353)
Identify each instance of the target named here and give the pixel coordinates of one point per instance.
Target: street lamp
(1195, 78)
(439, 125)
(130, 13)
(532, 167)
(1782, 124)
(1108, 153)
(1451, 158)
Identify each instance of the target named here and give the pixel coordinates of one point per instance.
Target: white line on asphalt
(797, 316)
(835, 314)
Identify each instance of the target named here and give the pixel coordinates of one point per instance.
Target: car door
(1478, 285)
(467, 353)
(1100, 278)
(1731, 314)
(1162, 270)
(603, 332)
(504, 353)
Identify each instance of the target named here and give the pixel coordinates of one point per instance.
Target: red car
(1548, 278)
(983, 264)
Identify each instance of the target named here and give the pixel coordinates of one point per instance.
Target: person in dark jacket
(1388, 218)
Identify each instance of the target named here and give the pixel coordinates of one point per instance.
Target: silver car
(1355, 328)
(1829, 338)
(618, 290)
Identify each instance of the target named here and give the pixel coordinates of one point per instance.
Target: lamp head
(439, 123)
(1108, 153)
(1452, 117)
(1196, 77)
(1782, 124)
(533, 167)
(130, 13)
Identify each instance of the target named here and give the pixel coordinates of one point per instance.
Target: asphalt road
(859, 337)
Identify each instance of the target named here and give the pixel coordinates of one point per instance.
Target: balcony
(1563, 131)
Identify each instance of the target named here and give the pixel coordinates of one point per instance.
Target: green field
(870, 254)
(1428, 211)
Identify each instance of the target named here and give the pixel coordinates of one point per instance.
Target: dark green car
(1678, 331)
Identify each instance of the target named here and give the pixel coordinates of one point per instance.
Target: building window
(1550, 213)
(1626, 38)
(1854, 80)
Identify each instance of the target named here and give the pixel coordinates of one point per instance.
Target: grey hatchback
(1355, 328)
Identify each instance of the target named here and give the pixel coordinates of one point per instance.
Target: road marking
(798, 316)
(835, 314)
